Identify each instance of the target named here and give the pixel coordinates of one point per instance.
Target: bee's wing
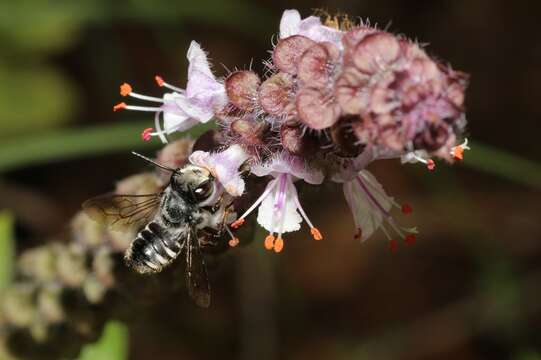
(197, 280)
(120, 211)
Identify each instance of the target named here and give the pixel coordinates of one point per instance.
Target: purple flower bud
(351, 91)
(249, 133)
(275, 94)
(352, 38)
(314, 68)
(288, 51)
(375, 52)
(294, 139)
(241, 87)
(317, 108)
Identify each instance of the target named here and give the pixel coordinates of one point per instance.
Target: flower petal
(224, 166)
(289, 24)
(312, 28)
(288, 164)
(283, 219)
(204, 94)
(367, 215)
(198, 60)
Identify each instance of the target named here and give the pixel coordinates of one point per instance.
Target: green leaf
(112, 345)
(7, 248)
(74, 143)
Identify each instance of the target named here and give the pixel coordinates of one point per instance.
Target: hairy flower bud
(375, 52)
(317, 108)
(288, 51)
(296, 141)
(315, 65)
(241, 88)
(351, 91)
(275, 94)
(250, 133)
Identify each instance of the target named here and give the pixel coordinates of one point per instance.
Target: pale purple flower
(224, 166)
(371, 208)
(203, 97)
(279, 208)
(311, 27)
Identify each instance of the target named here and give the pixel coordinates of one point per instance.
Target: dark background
(469, 289)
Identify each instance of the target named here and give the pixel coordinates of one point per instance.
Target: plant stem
(73, 143)
(503, 164)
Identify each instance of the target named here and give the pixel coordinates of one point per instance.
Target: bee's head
(197, 184)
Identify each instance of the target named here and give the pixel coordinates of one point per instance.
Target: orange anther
(234, 242)
(119, 106)
(316, 234)
(159, 80)
(278, 245)
(393, 245)
(125, 89)
(146, 134)
(269, 242)
(407, 209)
(237, 223)
(410, 239)
(430, 164)
(458, 152)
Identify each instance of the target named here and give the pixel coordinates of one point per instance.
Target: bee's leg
(212, 241)
(230, 215)
(209, 238)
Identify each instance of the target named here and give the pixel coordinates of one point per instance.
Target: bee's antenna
(153, 162)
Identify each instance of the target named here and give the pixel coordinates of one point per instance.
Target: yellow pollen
(119, 106)
(236, 224)
(278, 245)
(234, 242)
(269, 242)
(316, 234)
(125, 89)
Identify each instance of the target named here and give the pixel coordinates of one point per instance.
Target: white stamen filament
(260, 199)
(174, 88)
(301, 210)
(385, 232)
(145, 97)
(143, 108)
(420, 159)
(159, 130)
(229, 232)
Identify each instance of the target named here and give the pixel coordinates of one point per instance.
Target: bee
(173, 222)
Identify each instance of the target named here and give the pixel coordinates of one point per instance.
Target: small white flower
(182, 109)
(279, 208)
(311, 27)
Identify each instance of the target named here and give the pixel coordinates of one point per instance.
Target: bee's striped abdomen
(154, 248)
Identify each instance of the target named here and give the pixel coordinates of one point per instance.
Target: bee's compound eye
(204, 190)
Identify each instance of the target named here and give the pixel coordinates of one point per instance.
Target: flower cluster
(336, 97)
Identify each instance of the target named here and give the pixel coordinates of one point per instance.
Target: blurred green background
(469, 289)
